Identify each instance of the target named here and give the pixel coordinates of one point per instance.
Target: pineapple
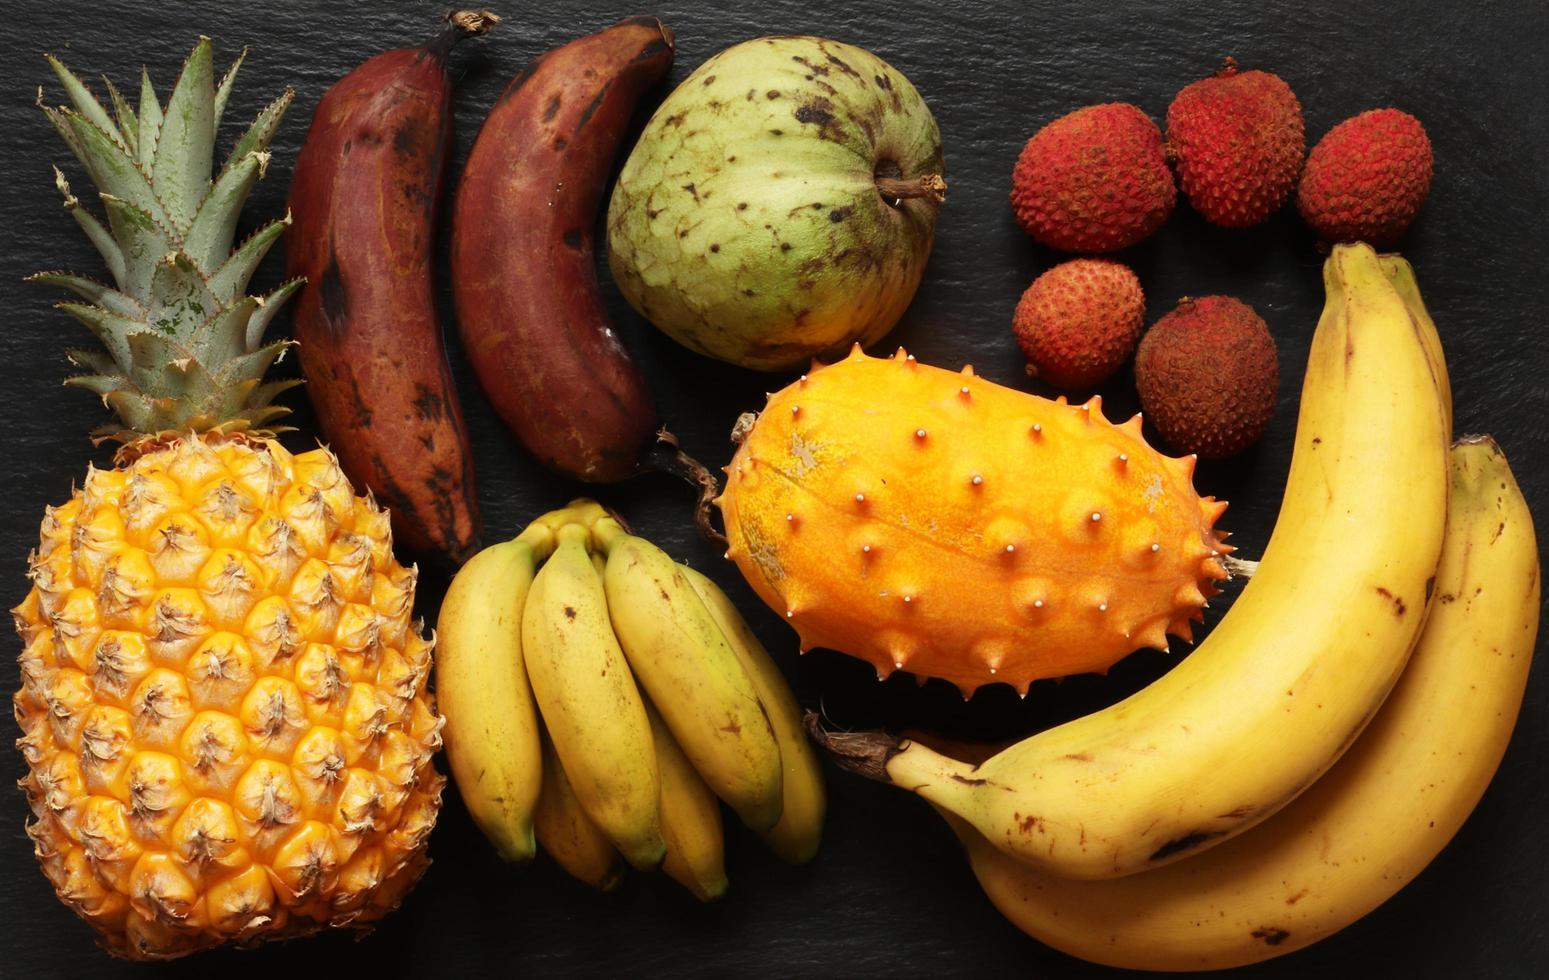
(223, 700)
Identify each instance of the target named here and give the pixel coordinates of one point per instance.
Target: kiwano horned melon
(932, 521)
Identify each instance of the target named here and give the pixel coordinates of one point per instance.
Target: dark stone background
(889, 895)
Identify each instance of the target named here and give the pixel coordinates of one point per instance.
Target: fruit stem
(606, 533)
(1239, 567)
(896, 189)
(864, 753)
(668, 457)
(460, 24)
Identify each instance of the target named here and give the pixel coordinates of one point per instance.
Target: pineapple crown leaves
(182, 342)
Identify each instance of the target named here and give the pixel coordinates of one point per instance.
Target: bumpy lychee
(1079, 321)
(1094, 180)
(1208, 376)
(931, 521)
(1237, 140)
(1366, 178)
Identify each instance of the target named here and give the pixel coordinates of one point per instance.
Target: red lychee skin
(1094, 180)
(1237, 140)
(1208, 375)
(1366, 178)
(1079, 322)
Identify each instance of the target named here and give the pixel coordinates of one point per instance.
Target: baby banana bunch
(1116, 836)
(600, 698)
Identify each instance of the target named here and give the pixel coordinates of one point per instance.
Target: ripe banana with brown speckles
(481, 685)
(691, 819)
(1295, 669)
(589, 702)
(800, 830)
(568, 834)
(1374, 821)
(692, 675)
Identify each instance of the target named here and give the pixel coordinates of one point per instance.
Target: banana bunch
(600, 698)
(1116, 836)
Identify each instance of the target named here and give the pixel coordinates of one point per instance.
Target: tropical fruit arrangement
(230, 713)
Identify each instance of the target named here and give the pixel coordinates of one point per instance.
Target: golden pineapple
(223, 700)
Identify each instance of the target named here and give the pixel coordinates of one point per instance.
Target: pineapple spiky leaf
(142, 241)
(107, 247)
(128, 122)
(268, 305)
(184, 349)
(150, 121)
(92, 291)
(84, 101)
(209, 236)
(186, 147)
(233, 275)
(223, 90)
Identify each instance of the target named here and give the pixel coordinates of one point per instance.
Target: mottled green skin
(747, 224)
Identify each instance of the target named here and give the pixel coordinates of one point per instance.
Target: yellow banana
(692, 675)
(1294, 670)
(589, 702)
(800, 830)
(1402, 275)
(481, 685)
(1374, 821)
(691, 819)
(568, 834)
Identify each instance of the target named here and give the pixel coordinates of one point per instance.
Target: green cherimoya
(780, 204)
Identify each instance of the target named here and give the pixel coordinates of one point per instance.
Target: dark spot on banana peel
(592, 106)
(1430, 586)
(1185, 843)
(1240, 812)
(968, 780)
(1398, 602)
(331, 292)
(1270, 935)
(570, 612)
(409, 137)
(428, 403)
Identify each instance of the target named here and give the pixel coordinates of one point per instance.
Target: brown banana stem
(864, 753)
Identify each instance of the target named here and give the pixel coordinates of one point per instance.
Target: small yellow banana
(481, 685)
(1295, 669)
(1374, 821)
(692, 675)
(589, 702)
(800, 830)
(568, 834)
(691, 819)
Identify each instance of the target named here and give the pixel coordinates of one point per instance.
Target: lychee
(1094, 180)
(1079, 321)
(1208, 376)
(1237, 141)
(1366, 178)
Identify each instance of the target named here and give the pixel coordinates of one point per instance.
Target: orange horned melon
(932, 521)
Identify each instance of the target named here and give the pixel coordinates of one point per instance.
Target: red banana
(364, 199)
(528, 306)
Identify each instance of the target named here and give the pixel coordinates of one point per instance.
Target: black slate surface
(889, 895)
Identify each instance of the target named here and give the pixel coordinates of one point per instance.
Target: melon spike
(1188, 596)
(968, 371)
(900, 354)
(1181, 628)
(1153, 636)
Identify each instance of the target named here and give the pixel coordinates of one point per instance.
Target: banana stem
(542, 533)
(606, 533)
(863, 753)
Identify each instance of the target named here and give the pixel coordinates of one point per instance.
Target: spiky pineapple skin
(935, 522)
(224, 709)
